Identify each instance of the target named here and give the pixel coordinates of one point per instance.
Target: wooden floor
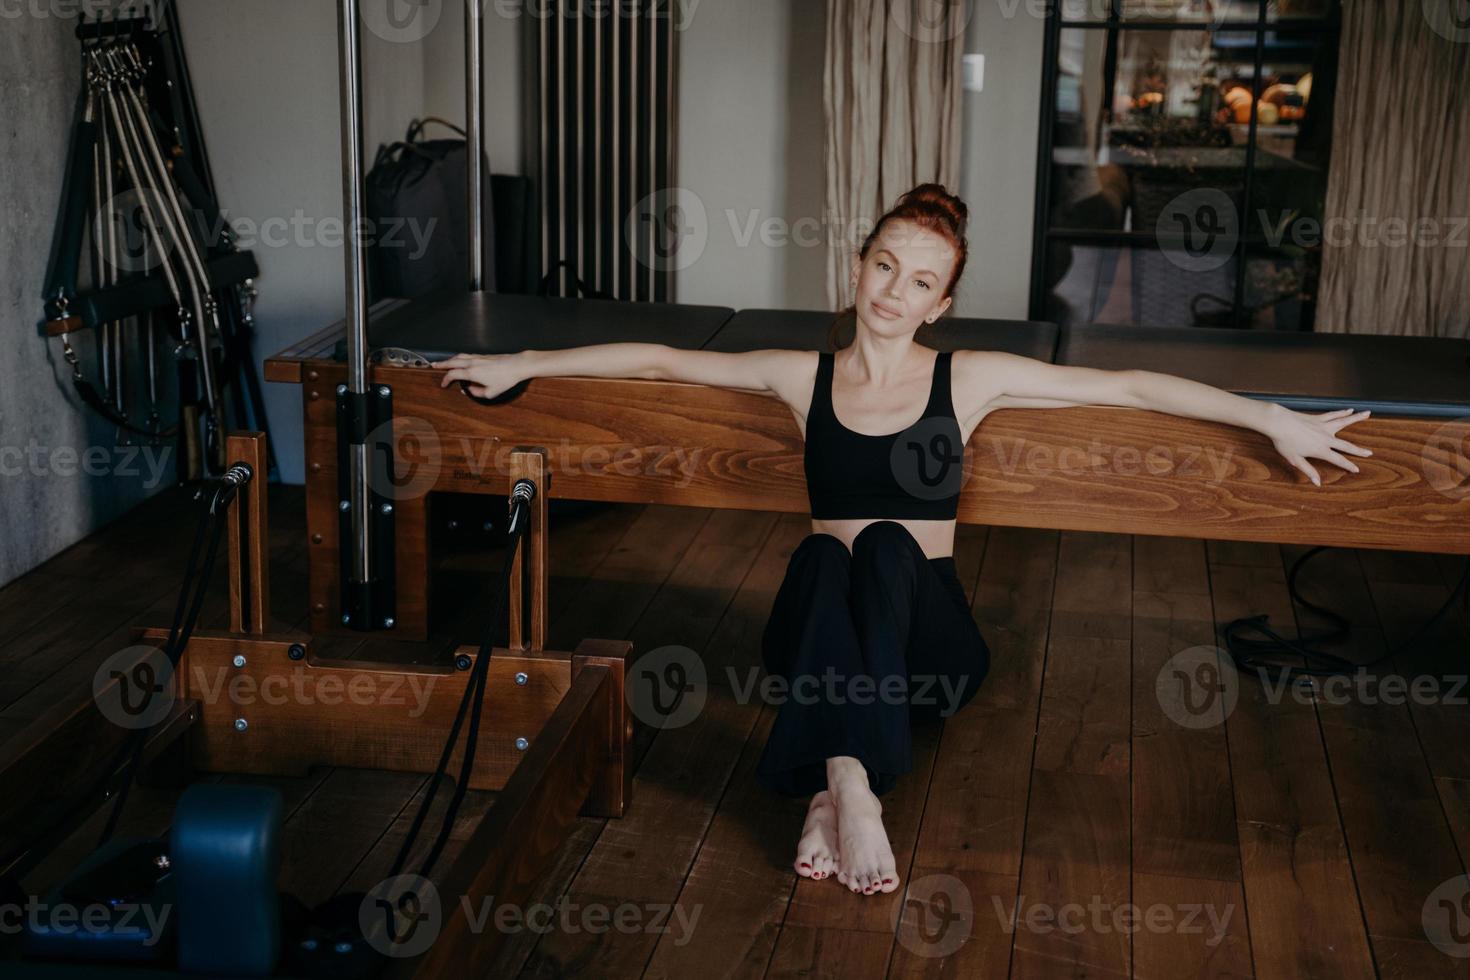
(1298, 839)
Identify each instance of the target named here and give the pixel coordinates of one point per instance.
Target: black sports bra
(916, 472)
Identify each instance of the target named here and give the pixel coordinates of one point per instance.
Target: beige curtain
(1400, 154)
(892, 99)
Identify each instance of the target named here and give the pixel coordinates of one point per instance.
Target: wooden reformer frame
(555, 737)
(1092, 468)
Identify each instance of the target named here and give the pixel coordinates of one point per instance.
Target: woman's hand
(1298, 435)
(485, 375)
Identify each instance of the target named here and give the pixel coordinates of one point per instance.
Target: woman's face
(900, 285)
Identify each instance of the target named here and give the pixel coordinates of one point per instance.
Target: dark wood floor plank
(644, 857)
(1094, 586)
(56, 641)
(734, 655)
(32, 598)
(954, 923)
(1076, 859)
(975, 817)
(1189, 927)
(612, 600)
(1014, 599)
(737, 891)
(1076, 853)
(829, 953)
(1385, 733)
(1183, 812)
(742, 879)
(1304, 916)
(1191, 916)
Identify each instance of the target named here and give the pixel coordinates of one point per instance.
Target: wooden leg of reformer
(249, 534)
(530, 464)
(612, 790)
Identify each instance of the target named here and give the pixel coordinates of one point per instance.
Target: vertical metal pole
(671, 135)
(594, 275)
(561, 141)
(635, 255)
(653, 187)
(615, 196)
(541, 112)
(350, 52)
(474, 98)
(580, 212)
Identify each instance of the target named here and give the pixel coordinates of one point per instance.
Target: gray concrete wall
(60, 475)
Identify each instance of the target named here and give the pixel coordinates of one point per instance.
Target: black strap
(197, 580)
(544, 288)
(97, 403)
(61, 273)
(473, 701)
(416, 127)
(1247, 654)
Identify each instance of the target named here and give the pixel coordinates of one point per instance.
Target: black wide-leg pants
(864, 644)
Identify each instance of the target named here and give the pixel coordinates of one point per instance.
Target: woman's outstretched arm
(1013, 381)
(487, 375)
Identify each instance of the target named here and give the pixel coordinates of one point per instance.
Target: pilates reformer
(555, 738)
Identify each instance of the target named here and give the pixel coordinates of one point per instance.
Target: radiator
(604, 83)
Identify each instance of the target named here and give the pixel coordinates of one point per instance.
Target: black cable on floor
(1248, 653)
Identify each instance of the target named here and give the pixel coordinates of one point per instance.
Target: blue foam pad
(225, 848)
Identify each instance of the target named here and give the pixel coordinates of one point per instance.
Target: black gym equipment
(166, 278)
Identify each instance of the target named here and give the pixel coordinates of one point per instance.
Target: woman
(870, 628)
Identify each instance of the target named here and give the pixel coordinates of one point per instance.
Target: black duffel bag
(415, 196)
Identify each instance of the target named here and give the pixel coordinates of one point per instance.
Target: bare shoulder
(974, 379)
(792, 374)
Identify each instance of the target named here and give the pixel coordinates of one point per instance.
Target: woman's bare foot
(816, 852)
(866, 863)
